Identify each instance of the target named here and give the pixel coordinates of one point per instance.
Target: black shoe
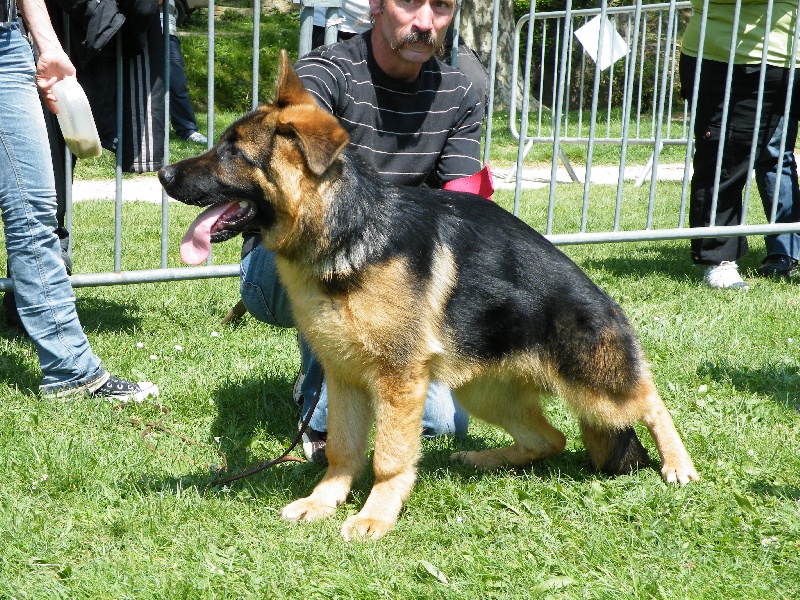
(118, 389)
(314, 446)
(778, 265)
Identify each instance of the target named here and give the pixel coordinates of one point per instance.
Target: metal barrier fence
(645, 108)
(652, 33)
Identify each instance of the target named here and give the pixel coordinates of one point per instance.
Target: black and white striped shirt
(426, 131)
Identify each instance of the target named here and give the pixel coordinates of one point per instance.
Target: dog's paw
(681, 474)
(358, 527)
(486, 460)
(306, 509)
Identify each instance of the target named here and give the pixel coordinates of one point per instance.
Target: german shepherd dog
(395, 286)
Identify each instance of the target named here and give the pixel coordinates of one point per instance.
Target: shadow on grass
(15, 371)
(639, 259)
(781, 382)
(260, 408)
(571, 464)
(97, 314)
(643, 259)
(767, 488)
(247, 412)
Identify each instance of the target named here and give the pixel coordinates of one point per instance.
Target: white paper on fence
(614, 47)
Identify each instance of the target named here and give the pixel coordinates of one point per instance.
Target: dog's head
(270, 168)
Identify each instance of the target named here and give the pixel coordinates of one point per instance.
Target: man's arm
(53, 64)
(460, 156)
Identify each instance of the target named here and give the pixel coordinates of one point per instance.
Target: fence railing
(642, 92)
(634, 101)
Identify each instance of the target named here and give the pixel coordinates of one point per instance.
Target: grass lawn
(95, 506)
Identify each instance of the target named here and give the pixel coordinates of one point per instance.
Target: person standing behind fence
(719, 255)
(44, 296)
(181, 113)
(782, 250)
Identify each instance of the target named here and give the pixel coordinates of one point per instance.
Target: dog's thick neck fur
(357, 232)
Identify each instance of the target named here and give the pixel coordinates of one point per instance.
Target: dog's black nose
(166, 175)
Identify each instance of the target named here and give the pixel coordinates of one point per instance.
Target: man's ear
(375, 6)
(289, 89)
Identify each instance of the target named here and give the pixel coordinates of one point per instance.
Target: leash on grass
(266, 464)
(151, 426)
(234, 315)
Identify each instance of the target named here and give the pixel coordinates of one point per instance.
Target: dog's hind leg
(349, 421)
(400, 401)
(614, 452)
(606, 425)
(514, 406)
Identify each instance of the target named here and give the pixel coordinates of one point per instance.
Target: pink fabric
(480, 183)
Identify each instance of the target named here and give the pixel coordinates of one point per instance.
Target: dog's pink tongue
(196, 244)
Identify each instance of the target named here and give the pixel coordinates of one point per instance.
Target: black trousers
(739, 130)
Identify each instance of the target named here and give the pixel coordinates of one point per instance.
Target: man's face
(413, 29)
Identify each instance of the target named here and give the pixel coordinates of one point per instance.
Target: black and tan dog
(394, 286)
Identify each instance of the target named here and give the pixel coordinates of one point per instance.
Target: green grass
(89, 509)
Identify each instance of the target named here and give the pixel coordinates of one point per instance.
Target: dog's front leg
(398, 424)
(349, 421)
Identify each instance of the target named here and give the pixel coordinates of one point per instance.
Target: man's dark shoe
(778, 265)
(314, 446)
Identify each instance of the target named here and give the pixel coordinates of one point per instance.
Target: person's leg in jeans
(44, 296)
(265, 298)
(783, 250)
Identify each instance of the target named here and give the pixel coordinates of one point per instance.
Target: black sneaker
(118, 389)
(314, 446)
(778, 265)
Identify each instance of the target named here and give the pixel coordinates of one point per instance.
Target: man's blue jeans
(265, 298)
(45, 300)
(788, 210)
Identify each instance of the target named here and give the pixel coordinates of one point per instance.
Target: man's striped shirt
(425, 131)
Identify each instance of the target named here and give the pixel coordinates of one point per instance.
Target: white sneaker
(724, 275)
(197, 138)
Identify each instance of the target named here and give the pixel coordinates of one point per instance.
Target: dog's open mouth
(217, 223)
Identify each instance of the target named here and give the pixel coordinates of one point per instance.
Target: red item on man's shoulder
(480, 183)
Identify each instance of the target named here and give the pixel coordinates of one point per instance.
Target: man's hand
(53, 66)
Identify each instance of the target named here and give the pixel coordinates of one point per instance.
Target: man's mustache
(420, 37)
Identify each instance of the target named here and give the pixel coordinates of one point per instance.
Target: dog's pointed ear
(289, 89)
(319, 135)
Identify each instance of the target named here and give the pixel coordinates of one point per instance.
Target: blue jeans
(788, 210)
(45, 300)
(265, 298)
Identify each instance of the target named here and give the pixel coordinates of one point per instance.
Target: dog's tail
(614, 452)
